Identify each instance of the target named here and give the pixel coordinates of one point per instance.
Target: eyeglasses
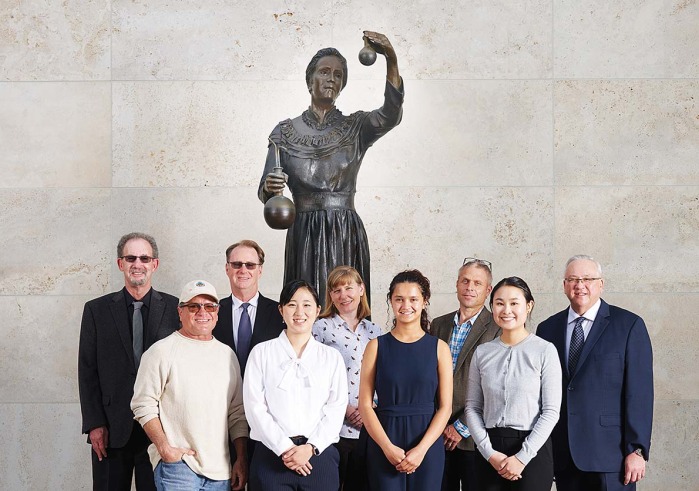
(482, 262)
(132, 259)
(239, 264)
(196, 307)
(585, 281)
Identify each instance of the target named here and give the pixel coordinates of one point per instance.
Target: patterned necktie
(244, 336)
(137, 333)
(576, 345)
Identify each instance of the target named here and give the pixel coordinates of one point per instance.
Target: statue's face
(326, 82)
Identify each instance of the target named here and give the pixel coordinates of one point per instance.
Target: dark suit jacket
(607, 409)
(106, 367)
(268, 322)
(482, 331)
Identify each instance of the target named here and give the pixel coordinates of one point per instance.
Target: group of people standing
(205, 392)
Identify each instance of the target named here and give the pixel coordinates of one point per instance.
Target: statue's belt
(323, 201)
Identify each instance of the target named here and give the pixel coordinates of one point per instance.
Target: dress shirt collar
(590, 315)
(238, 302)
(472, 319)
(342, 323)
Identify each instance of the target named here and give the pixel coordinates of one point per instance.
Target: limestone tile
(54, 241)
(55, 134)
(674, 352)
(673, 448)
(626, 132)
(40, 351)
(43, 447)
(626, 39)
(462, 133)
(453, 40)
(430, 229)
(645, 236)
(216, 40)
(193, 228)
(193, 134)
(55, 40)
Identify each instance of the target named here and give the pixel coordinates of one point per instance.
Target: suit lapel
(262, 319)
(598, 327)
(120, 317)
(225, 322)
(155, 317)
(477, 330)
(558, 338)
(444, 330)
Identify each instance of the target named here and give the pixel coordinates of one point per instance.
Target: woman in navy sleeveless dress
(409, 370)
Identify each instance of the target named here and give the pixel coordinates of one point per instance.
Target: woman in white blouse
(295, 396)
(514, 397)
(343, 325)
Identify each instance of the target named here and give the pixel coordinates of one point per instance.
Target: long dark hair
(413, 276)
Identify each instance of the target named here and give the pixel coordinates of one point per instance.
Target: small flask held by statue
(279, 211)
(367, 55)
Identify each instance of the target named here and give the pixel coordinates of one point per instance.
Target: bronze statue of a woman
(322, 150)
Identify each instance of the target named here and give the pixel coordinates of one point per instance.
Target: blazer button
(571, 388)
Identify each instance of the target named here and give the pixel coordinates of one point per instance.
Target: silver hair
(584, 257)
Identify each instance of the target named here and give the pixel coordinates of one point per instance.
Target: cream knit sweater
(195, 388)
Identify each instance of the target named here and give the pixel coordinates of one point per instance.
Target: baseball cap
(197, 287)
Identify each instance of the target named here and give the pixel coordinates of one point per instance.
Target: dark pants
(536, 476)
(268, 472)
(573, 479)
(115, 471)
(460, 471)
(353, 463)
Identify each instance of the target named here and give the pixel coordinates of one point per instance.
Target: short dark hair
(247, 243)
(292, 287)
(515, 281)
(413, 276)
(136, 235)
(311, 68)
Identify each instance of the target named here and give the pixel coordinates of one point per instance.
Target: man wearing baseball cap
(188, 398)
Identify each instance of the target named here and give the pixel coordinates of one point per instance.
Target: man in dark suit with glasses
(116, 329)
(246, 317)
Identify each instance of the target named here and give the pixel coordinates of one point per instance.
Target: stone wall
(533, 130)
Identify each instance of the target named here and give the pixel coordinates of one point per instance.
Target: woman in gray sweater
(514, 397)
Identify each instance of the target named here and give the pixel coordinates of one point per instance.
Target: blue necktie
(137, 333)
(244, 336)
(576, 345)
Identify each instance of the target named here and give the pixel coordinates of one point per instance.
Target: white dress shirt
(285, 395)
(237, 311)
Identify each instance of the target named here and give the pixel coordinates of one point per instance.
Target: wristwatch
(639, 452)
(315, 449)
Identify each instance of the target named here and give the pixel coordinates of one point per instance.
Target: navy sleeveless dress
(406, 386)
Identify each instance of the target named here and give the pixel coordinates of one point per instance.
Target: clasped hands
(406, 462)
(297, 459)
(509, 468)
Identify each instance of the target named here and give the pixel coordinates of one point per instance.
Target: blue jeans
(177, 476)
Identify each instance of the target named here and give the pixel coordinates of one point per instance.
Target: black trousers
(536, 476)
(115, 471)
(460, 471)
(573, 479)
(353, 462)
(268, 472)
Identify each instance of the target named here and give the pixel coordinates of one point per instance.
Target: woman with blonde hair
(343, 325)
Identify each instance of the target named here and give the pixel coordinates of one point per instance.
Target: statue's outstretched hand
(275, 183)
(381, 44)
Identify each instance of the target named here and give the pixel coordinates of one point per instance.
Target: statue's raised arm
(321, 153)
